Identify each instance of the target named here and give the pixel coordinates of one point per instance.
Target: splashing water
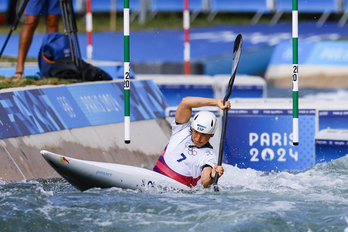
(315, 199)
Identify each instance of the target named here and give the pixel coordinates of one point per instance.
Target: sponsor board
(41, 110)
(261, 139)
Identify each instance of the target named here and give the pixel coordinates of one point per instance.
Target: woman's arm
(208, 175)
(184, 110)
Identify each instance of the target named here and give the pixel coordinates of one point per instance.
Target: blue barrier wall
(43, 110)
(261, 139)
(333, 119)
(240, 6)
(309, 6)
(330, 144)
(322, 64)
(176, 5)
(327, 150)
(312, 53)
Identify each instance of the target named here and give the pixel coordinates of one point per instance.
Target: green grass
(6, 82)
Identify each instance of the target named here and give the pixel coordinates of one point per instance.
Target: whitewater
(315, 199)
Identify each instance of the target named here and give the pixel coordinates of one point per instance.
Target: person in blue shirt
(33, 11)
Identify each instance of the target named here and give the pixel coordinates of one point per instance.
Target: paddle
(237, 50)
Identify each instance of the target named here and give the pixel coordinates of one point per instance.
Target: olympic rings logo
(190, 150)
(65, 104)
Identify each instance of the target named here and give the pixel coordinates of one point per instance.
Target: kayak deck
(83, 174)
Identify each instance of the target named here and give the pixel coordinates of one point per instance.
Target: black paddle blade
(237, 51)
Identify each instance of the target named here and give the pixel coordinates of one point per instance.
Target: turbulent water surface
(312, 200)
(315, 199)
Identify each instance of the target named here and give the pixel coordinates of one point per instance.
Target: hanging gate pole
(295, 126)
(89, 29)
(126, 66)
(187, 37)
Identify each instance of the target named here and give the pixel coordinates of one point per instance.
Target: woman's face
(200, 139)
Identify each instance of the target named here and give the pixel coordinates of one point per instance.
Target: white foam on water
(346, 219)
(321, 182)
(44, 192)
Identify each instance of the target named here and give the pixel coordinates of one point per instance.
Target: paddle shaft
(236, 57)
(223, 132)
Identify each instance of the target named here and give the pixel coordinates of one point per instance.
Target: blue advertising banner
(101, 103)
(262, 139)
(66, 107)
(43, 110)
(333, 53)
(174, 93)
(147, 101)
(329, 53)
(334, 119)
(28, 112)
(283, 52)
(247, 91)
(327, 150)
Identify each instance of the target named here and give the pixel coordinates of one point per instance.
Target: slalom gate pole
(89, 29)
(186, 35)
(126, 66)
(295, 126)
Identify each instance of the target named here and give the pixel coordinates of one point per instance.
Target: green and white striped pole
(126, 66)
(295, 71)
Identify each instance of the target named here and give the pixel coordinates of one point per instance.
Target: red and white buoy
(89, 28)
(186, 37)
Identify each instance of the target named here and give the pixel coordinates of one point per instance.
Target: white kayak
(84, 174)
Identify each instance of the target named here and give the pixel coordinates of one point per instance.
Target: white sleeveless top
(183, 159)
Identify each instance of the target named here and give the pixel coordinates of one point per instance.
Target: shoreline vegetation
(6, 82)
(102, 22)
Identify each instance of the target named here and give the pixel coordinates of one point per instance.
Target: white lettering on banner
(281, 153)
(253, 137)
(65, 104)
(254, 152)
(92, 104)
(265, 140)
(101, 103)
(339, 113)
(255, 111)
(109, 102)
(293, 155)
(334, 53)
(276, 139)
(271, 142)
